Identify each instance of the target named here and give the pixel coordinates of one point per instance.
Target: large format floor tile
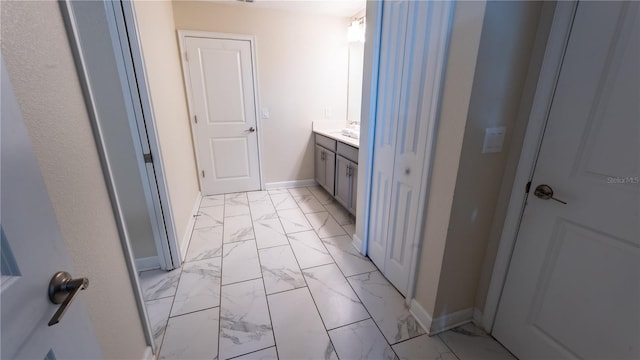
(308, 203)
(469, 342)
(342, 216)
(347, 257)
(238, 228)
(280, 269)
(245, 325)
(199, 287)
(262, 210)
(157, 284)
(386, 306)
(265, 354)
(321, 194)
(212, 200)
(209, 216)
(269, 233)
(423, 347)
(258, 196)
(251, 297)
(158, 311)
(240, 262)
(192, 336)
(283, 201)
(325, 225)
(336, 301)
(236, 198)
(361, 340)
(311, 342)
(205, 243)
(293, 220)
(308, 249)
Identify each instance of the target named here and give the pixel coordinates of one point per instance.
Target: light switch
(265, 113)
(328, 113)
(493, 139)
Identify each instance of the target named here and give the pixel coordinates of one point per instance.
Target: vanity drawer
(325, 142)
(348, 152)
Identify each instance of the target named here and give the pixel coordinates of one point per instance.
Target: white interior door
(405, 102)
(223, 100)
(32, 251)
(573, 286)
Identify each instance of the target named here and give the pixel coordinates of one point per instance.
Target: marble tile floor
(273, 274)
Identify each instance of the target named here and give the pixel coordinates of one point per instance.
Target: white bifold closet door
(408, 86)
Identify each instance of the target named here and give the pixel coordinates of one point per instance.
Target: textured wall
(40, 64)
(162, 64)
(302, 68)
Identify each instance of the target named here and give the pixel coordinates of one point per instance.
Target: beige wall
(302, 68)
(505, 50)
(162, 63)
(39, 61)
(460, 217)
(516, 140)
(458, 82)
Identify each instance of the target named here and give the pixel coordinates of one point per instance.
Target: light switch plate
(265, 113)
(493, 139)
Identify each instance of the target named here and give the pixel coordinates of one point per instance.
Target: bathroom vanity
(336, 166)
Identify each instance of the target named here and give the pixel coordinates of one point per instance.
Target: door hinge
(527, 187)
(202, 173)
(195, 118)
(147, 158)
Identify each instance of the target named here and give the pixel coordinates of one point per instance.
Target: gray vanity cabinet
(346, 176)
(325, 167)
(336, 166)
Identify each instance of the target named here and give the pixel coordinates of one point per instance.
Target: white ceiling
(341, 8)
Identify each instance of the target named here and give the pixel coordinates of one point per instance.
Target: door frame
(123, 20)
(182, 35)
(169, 254)
(545, 89)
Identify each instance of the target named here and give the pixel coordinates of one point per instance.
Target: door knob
(251, 129)
(63, 289)
(545, 192)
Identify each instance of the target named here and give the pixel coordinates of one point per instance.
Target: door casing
(182, 35)
(549, 73)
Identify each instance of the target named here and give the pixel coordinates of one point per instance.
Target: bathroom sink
(352, 132)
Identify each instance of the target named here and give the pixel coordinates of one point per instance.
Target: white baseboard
(441, 323)
(421, 315)
(148, 354)
(289, 184)
(477, 318)
(357, 243)
(147, 263)
(186, 237)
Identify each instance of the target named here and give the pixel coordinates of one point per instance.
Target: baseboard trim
(147, 263)
(477, 318)
(289, 184)
(148, 354)
(421, 315)
(186, 237)
(442, 323)
(357, 243)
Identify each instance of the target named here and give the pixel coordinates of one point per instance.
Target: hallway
(274, 275)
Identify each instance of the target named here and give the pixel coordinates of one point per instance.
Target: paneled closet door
(394, 21)
(407, 86)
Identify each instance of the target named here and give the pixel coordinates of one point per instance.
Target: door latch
(63, 289)
(545, 192)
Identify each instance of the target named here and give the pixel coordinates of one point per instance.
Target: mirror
(354, 91)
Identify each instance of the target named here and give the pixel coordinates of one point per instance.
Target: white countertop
(337, 135)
